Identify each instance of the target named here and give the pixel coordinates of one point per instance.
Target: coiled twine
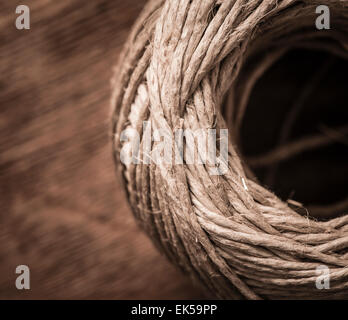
(227, 231)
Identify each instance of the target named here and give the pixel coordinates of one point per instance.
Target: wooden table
(62, 211)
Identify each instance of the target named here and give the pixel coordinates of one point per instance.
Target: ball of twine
(228, 232)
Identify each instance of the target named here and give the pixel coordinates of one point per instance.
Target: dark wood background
(62, 212)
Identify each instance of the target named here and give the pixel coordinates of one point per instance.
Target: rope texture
(228, 232)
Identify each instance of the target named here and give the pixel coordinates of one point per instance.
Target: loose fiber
(227, 231)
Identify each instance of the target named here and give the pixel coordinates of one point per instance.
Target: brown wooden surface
(62, 211)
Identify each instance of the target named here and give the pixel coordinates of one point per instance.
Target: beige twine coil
(228, 232)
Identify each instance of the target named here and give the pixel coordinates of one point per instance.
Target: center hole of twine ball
(294, 134)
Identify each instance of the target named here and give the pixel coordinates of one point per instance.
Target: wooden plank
(62, 212)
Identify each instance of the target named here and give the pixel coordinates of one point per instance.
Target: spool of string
(183, 67)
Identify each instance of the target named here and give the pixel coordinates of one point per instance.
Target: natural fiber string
(228, 232)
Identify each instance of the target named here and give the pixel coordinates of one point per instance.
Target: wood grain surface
(62, 212)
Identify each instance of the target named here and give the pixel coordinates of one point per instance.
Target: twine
(228, 232)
